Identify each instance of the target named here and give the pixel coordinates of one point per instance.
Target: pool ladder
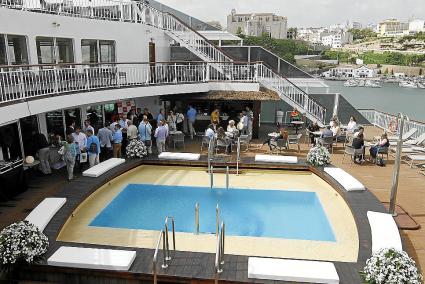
(219, 253)
(163, 236)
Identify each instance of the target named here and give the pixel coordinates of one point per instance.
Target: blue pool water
(256, 213)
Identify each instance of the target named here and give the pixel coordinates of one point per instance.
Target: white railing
(26, 82)
(286, 88)
(127, 11)
(390, 122)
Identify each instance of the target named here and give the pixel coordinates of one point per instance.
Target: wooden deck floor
(411, 194)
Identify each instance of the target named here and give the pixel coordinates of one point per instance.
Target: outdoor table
(273, 134)
(297, 124)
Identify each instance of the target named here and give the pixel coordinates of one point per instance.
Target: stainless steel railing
(163, 237)
(197, 218)
(219, 254)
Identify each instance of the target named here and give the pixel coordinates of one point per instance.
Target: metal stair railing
(163, 237)
(219, 253)
(290, 93)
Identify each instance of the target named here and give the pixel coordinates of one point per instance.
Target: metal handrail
(168, 257)
(155, 256)
(238, 155)
(219, 253)
(227, 177)
(197, 218)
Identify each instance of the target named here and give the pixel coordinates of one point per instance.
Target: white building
(392, 28)
(351, 71)
(256, 24)
(416, 26)
(336, 39)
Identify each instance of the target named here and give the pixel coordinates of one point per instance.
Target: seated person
(232, 131)
(358, 143)
(283, 134)
(352, 125)
(224, 139)
(313, 128)
(383, 142)
(334, 121)
(327, 132)
(210, 133)
(295, 115)
(336, 130)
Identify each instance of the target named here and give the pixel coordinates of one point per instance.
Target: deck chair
(415, 160)
(349, 150)
(327, 142)
(205, 142)
(295, 140)
(413, 142)
(178, 138)
(405, 136)
(279, 145)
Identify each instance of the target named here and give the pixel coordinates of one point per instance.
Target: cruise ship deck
(199, 266)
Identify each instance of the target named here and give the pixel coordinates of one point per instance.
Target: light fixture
(56, 24)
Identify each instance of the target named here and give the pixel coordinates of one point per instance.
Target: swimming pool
(268, 189)
(253, 213)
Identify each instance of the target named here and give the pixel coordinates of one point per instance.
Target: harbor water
(390, 98)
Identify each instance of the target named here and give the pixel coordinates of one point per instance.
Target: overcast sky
(305, 13)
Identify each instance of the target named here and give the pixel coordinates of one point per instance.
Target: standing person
(148, 114)
(70, 150)
(191, 118)
(139, 114)
(87, 126)
(43, 148)
(171, 121)
(71, 128)
(244, 121)
(123, 122)
(93, 148)
(112, 126)
(215, 117)
(179, 121)
(250, 116)
(161, 134)
(81, 139)
(105, 139)
(314, 127)
(117, 141)
(131, 131)
(160, 116)
(145, 133)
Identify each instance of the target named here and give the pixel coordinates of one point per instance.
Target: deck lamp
(396, 172)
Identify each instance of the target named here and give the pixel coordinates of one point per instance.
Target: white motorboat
(351, 83)
(372, 84)
(408, 84)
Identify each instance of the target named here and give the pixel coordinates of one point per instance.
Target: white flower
(319, 156)
(391, 266)
(21, 241)
(136, 149)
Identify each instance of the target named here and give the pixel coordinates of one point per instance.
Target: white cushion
(103, 167)
(44, 212)
(384, 231)
(92, 258)
(416, 157)
(276, 159)
(348, 182)
(292, 270)
(179, 156)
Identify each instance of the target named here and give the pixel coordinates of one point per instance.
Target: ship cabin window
(98, 51)
(54, 50)
(13, 50)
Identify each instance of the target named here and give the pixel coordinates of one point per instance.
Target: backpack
(93, 148)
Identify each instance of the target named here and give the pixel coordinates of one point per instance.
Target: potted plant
(21, 243)
(391, 266)
(319, 156)
(136, 149)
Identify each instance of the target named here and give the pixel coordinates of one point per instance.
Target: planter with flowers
(21, 243)
(319, 156)
(391, 266)
(136, 149)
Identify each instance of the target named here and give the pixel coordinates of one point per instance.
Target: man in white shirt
(210, 133)
(132, 132)
(81, 139)
(87, 126)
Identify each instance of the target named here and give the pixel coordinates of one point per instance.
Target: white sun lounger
(92, 258)
(44, 212)
(179, 156)
(348, 182)
(414, 159)
(276, 159)
(413, 142)
(103, 167)
(292, 270)
(405, 136)
(384, 230)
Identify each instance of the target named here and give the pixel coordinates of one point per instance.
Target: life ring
(393, 125)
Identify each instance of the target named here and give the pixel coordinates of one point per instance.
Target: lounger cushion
(384, 231)
(44, 212)
(348, 182)
(92, 258)
(276, 159)
(416, 157)
(405, 136)
(103, 167)
(179, 156)
(292, 270)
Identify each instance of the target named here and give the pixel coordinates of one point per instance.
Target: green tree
(362, 33)
(239, 32)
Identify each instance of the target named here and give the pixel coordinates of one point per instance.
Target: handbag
(83, 158)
